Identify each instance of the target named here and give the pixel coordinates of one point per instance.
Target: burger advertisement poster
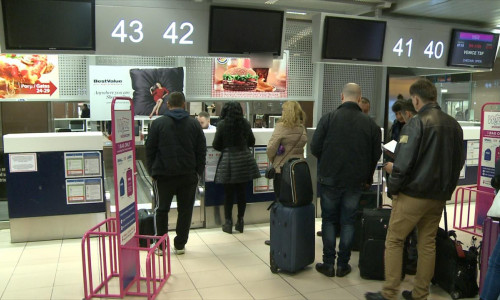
(244, 78)
(29, 76)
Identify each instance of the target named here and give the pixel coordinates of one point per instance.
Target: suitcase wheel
(455, 295)
(272, 263)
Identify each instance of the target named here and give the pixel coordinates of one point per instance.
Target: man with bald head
(347, 145)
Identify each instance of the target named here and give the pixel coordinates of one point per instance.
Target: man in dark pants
(175, 150)
(347, 143)
(428, 160)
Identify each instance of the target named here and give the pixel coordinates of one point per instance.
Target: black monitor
(243, 31)
(353, 39)
(474, 49)
(49, 24)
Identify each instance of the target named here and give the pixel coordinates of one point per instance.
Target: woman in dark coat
(236, 165)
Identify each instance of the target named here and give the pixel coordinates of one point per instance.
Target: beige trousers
(408, 212)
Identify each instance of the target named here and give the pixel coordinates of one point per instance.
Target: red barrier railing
(465, 217)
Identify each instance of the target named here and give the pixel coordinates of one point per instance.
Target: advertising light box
(151, 31)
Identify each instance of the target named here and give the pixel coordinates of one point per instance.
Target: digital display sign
(472, 49)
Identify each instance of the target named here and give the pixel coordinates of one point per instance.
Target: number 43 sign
(152, 31)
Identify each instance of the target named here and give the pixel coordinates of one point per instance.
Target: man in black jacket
(429, 157)
(175, 151)
(347, 144)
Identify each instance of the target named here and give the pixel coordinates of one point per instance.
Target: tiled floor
(216, 266)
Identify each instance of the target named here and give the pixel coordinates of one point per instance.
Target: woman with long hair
(159, 93)
(236, 165)
(287, 141)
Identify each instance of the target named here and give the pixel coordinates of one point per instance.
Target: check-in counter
(55, 184)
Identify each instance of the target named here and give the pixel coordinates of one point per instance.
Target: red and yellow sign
(29, 76)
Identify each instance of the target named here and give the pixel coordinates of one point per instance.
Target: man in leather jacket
(429, 157)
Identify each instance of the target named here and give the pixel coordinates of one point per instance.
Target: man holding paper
(428, 160)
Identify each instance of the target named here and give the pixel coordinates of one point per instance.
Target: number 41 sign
(152, 31)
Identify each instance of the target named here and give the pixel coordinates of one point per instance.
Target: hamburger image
(239, 79)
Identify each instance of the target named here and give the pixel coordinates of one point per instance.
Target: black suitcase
(368, 200)
(456, 269)
(374, 231)
(146, 225)
(292, 237)
(296, 184)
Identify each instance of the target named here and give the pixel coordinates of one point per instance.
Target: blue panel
(43, 193)
(214, 194)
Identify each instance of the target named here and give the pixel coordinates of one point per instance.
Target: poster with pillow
(152, 86)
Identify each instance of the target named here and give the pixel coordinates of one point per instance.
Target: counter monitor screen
(473, 49)
(353, 39)
(49, 24)
(243, 31)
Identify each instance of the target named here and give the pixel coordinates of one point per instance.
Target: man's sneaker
(178, 251)
(325, 269)
(374, 296)
(343, 271)
(407, 295)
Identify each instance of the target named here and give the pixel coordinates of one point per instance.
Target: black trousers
(184, 187)
(232, 190)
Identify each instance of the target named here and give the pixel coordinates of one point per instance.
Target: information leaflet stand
(483, 193)
(119, 261)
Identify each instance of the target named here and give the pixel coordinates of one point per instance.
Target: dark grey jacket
(175, 145)
(236, 163)
(429, 156)
(347, 143)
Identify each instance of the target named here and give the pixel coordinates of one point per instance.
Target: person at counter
(347, 145)
(204, 119)
(175, 152)
(236, 166)
(430, 145)
(85, 111)
(364, 104)
(288, 141)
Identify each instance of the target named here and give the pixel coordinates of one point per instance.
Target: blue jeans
(338, 206)
(491, 287)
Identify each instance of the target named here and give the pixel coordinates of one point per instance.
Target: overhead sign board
(151, 31)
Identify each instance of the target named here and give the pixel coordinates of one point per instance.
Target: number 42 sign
(152, 31)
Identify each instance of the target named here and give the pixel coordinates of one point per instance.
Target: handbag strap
(296, 143)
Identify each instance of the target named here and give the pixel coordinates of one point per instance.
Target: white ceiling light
(271, 1)
(296, 13)
(496, 30)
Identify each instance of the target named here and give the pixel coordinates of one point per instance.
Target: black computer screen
(49, 24)
(241, 31)
(353, 39)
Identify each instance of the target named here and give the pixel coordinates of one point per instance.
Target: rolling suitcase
(146, 225)
(374, 231)
(456, 269)
(292, 237)
(296, 184)
(368, 200)
(491, 231)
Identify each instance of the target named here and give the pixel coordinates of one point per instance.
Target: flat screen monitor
(243, 31)
(353, 39)
(474, 49)
(49, 24)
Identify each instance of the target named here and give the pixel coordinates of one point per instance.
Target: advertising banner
(489, 153)
(125, 185)
(142, 84)
(29, 76)
(247, 78)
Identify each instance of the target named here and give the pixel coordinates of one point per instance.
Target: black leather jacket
(429, 156)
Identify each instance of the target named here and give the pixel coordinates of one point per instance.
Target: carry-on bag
(296, 184)
(368, 200)
(292, 237)
(374, 231)
(456, 268)
(491, 231)
(146, 225)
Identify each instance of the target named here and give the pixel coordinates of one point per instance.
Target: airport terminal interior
(69, 100)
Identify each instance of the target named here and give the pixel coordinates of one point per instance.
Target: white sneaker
(159, 252)
(178, 251)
